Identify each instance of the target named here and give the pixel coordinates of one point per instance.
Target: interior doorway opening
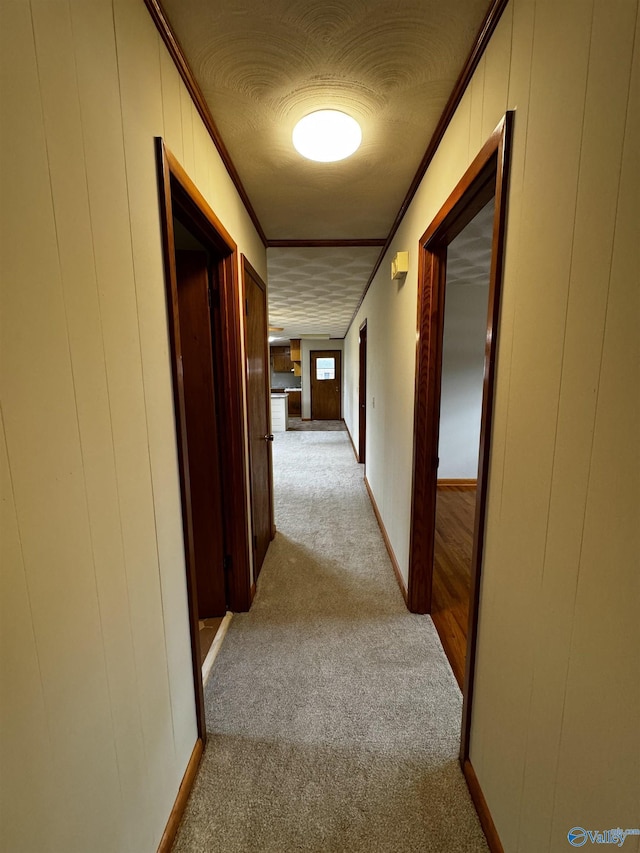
(466, 301)
(200, 260)
(485, 179)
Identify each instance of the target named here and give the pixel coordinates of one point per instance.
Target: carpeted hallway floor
(332, 713)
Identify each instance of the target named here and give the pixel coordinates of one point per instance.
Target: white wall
(97, 709)
(555, 739)
(306, 346)
(465, 325)
(463, 347)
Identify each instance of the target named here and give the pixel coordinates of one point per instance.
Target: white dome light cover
(327, 136)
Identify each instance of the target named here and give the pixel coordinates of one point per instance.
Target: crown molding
(177, 54)
(480, 44)
(323, 244)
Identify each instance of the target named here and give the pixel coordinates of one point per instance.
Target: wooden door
(202, 430)
(258, 399)
(326, 385)
(362, 395)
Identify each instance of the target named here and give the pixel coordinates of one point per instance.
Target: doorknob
(268, 438)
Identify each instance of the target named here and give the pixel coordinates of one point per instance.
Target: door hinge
(226, 562)
(246, 307)
(255, 543)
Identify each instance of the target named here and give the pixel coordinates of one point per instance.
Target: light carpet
(333, 715)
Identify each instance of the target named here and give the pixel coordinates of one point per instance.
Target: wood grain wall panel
(496, 75)
(599, 176)
(106, 176)
(142, 119)
(202, 147)
(23, 714)
(551, 160)
(52, 27)
(447, 160)
(101, 701)
(518, 99)
(602, 665)
(47, 470)
(475, 94)
(171, 102)
(561, 547)
(187, 109)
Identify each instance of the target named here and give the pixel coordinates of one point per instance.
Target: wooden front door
(258, 398)
(326, 385)
(202, 430)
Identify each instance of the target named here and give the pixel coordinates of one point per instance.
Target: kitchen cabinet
(281, 360)
(295, 352)
(295, 403)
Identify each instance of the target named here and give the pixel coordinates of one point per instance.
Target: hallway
(332, 713)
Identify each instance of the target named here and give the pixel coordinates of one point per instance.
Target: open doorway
(204, 336)
(485, 179)
(463, 351)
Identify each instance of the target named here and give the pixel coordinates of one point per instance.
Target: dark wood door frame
(485, 178)
(248, 270)
(180, 196)
(362, 394)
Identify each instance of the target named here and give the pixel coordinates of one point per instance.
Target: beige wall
(97, 710)
(555, 738)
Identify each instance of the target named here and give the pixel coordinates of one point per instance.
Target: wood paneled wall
(555, 739)
(98, 719)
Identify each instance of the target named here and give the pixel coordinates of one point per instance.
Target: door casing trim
(248, 268)
(177, 191)
(486, 177)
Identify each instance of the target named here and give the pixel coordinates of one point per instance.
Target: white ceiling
(263, 65)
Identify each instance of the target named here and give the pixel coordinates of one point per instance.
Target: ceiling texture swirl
(262, 66)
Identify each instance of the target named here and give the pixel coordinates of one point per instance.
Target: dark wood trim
(247, 267)
(480, 44)
(387, 543)
(325, 244)
(180, 804)
(168, 243)
(180, 60)
(253, 591)
(355, 452)
(180, 196)
(486, 821)
(431, 292)
(457, 485)
(362, 391)
(502, 138)
(486, 176)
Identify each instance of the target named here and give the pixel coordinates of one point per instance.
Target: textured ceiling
(316, 291)
(263, 65)
(469, 255)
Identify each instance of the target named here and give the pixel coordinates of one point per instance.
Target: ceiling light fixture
(327, 136)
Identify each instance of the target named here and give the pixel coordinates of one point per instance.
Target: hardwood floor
(455, 510)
